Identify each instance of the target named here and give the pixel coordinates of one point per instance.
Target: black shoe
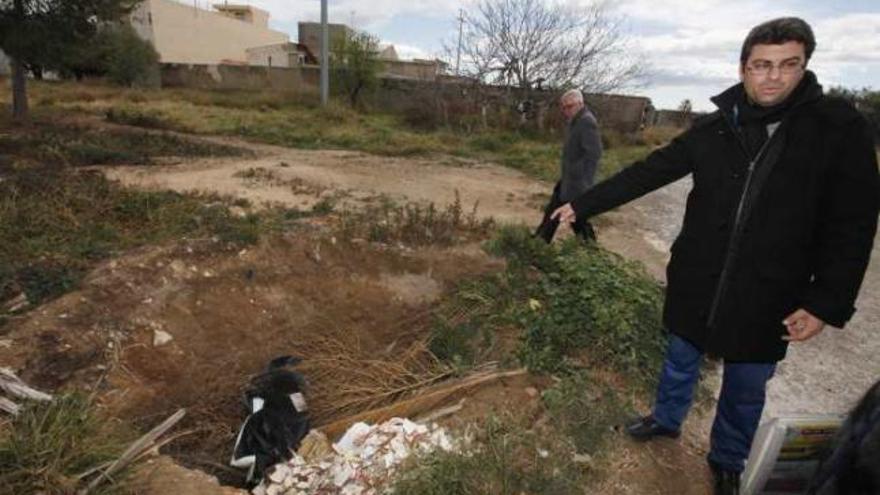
(646, 428)
(725, 482)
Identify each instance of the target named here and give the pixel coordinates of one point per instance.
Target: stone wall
(304, 78)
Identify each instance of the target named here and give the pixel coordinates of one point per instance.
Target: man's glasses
(764, 67)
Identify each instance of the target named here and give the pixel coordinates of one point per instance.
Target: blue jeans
(739, 406)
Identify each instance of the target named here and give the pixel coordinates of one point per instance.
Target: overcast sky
(692, 45)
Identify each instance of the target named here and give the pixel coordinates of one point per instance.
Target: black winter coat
(804, 238)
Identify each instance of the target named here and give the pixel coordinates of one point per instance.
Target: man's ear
(742, 72)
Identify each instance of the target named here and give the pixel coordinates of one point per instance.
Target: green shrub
(131, 59)
(596, 300)
(570, 303)
(517, 245)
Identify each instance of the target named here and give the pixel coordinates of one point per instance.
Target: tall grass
(51, 447)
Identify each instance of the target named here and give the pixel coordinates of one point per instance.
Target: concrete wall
(272, 56)
(283, 55)
(621, 112)
(240, 77)
(424, 71)
(673, 118)
(184, 34)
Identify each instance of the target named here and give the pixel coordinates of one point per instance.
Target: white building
(182, 33)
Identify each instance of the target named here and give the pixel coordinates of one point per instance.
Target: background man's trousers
(581, 226)
(739, 406)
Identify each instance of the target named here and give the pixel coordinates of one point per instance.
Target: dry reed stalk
(427, 400)
(344, 379)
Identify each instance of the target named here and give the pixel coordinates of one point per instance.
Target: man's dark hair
(777, 32)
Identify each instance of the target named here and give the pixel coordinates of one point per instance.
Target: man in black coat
(777, 234)
(580, 159)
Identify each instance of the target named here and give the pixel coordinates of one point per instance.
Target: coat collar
(808, 90)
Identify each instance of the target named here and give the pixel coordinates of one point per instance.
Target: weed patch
(51, 446)
(413, 224)
(57, 222)
(505, 458)
(133, 116)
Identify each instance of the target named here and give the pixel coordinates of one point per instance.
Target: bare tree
(529, 43)
(684, 112)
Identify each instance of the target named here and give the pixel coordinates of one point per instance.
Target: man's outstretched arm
(661, 167)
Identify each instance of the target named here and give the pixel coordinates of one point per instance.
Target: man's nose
(775, 72)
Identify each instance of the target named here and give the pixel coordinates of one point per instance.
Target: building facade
(185, 34)
(281, 55)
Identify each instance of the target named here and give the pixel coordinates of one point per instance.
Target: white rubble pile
(364, 459)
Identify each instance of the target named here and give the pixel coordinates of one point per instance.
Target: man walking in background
(580, 159)
(776, 237)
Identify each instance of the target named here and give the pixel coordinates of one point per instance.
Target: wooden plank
(17, 388)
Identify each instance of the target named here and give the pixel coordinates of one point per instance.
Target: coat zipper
(734, 236)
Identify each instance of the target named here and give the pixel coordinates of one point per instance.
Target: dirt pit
(358, 313)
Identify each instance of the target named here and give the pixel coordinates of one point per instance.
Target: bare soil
(301, 178)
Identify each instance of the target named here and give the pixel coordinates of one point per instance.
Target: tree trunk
(19, 93)
(19, 83)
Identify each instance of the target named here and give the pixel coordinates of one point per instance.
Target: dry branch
(17, 388)
(135, 449)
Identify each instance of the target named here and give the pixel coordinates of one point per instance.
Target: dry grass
(345, 379)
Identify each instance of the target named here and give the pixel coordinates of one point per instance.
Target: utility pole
(458, 52)
(325, 49)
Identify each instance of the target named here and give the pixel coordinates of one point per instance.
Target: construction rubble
(360, 463)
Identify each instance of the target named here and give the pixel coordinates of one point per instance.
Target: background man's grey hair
(572, 95)
(777, 32)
